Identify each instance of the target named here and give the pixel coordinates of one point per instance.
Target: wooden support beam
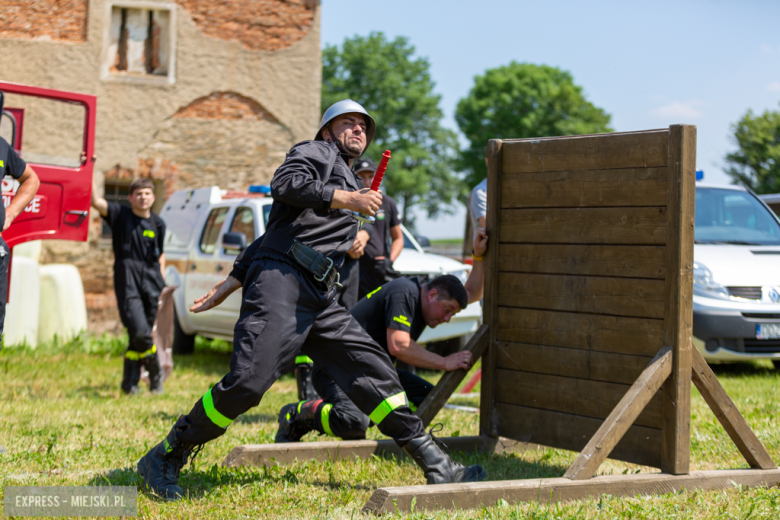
(728, 414)
(449, 382)
(487, 405)
(678, 312)
(550, 490)
(287, 453)
(622, 417)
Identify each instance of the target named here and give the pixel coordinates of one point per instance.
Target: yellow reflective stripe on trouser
(325, 419)
(133, 355)
(303, 359)
(212, 413)
(387, 406)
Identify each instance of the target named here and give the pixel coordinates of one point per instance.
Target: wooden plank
(598, 295)
(596, 399)
(728, 414)
(637, 226)
(585, 188)
(259, 455)
(678, 312)
(623, 261)
(642, 337)
(599, 152)
(449, 382)
(627, 412)
(640, 445)
(552, 490)
(570, 362)
(490, 308)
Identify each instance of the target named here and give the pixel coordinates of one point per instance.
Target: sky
(648, 64)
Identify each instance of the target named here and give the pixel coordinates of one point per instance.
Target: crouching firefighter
(137, 237)
(289, 305)
(394, 315)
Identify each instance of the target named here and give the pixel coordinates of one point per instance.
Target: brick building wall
(191, 93)
(57, 20)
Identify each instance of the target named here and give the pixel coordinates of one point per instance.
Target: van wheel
(183, 343)
(776, 363)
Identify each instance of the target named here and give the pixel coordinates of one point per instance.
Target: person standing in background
(386, 238)
(13, 165)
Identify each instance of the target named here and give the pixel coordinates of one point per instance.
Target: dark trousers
(4, 260)
(350, 279)
(138, 287)
(345, 420)
(373, 273)
(285, 311)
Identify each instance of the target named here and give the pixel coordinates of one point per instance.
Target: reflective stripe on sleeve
(387, 406)
(303, 359)
(325, 419)
(212, 413)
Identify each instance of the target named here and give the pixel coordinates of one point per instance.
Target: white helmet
(347, 106)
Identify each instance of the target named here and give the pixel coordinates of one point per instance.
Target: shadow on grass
(256, 418)
(744, 369)
(335, 485)
(104, 391)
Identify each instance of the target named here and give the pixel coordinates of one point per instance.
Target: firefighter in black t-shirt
(386, 240)
(137, 235)
(394, 315)
(11, 164)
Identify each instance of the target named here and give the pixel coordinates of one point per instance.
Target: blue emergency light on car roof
(257, 188)
(699, 175)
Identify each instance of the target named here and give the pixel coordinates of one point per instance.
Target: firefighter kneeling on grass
(289, 305)
(394, 315)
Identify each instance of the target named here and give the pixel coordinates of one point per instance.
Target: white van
(196, 221)
(736, 290)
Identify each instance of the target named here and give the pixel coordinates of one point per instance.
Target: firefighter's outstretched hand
(216, 295)
(480, 242)
(458, 360)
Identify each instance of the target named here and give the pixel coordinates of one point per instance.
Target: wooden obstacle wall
(589, 276)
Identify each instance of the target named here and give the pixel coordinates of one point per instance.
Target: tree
(522, 100)
(756, 164)
(397, 90)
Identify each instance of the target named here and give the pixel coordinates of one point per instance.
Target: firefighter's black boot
(152, 365)
(160, 467)
(131, 374)
(438, 467)
(303, 372)
(298, 419)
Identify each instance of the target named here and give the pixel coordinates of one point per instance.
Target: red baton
(380, 171)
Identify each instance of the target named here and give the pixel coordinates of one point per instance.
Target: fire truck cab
(54, 132)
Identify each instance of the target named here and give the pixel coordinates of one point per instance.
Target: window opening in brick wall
(139, 41)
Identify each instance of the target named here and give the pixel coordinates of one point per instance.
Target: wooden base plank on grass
(473, 495)
(281, 454)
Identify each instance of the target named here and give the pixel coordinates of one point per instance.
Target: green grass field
(64, 422)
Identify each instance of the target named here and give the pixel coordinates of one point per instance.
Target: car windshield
(733, 217)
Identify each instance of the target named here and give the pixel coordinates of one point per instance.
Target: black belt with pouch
(318, 265)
